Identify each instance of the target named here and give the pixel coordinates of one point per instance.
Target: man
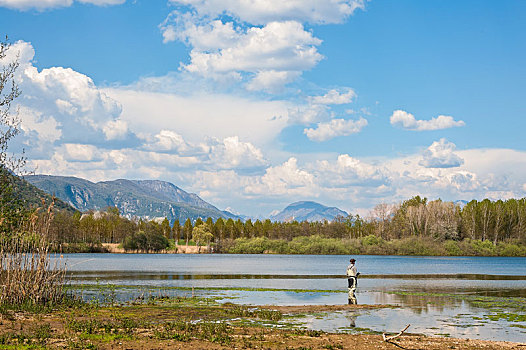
(352, 275)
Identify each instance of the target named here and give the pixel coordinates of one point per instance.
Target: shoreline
(113, 248)
(193, 323)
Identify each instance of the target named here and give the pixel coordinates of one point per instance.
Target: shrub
(452, 248)
(483, 248)
(146, 242)
(371, 240)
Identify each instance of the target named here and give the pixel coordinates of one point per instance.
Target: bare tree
(9, 121)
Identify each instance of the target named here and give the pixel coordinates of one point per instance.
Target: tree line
(486, 220)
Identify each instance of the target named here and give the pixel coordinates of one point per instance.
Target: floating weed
(510, 317)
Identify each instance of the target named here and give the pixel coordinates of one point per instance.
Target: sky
(255, 104)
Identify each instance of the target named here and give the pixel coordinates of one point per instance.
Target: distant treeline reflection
(128, 275)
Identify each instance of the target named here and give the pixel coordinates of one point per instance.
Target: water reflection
(316, 280)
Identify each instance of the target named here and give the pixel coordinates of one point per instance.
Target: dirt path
(115, 248)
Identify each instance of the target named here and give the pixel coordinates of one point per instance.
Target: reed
(27, 275)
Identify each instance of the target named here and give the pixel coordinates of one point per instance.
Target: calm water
(383, 280)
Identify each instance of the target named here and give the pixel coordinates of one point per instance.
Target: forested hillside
(146, 199)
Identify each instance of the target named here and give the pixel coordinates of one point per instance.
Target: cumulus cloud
(349, 171)
(228, 153)
(263, 43)
(265, 11)
(283, 179)
(79, 153)
(408, 121)
(271, 81)
(335, 128)
(463, 181)
(232, 153)
(440, 155)
(33, 122)
(308, 114)
(334, 97)
(48, 4)
(61, 105)
(273, 54)
(169, 140)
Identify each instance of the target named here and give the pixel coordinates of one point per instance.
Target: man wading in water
(352, 281)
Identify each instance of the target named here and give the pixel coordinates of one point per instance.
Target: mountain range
(307, 211)
(150, 199)
(147, 199)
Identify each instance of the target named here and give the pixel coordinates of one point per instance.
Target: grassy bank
(192, 323)
(373, 245)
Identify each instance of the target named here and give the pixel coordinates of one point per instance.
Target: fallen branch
(388, 339)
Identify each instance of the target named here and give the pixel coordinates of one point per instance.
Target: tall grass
(27, 275)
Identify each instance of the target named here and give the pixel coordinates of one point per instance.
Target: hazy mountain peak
(308, 211)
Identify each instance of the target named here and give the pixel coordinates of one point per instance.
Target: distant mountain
(307, 211)
(30, 196)
(147, 199)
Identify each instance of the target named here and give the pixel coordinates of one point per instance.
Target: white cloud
(45, 128)
(308, 114)
(232, 153)
(285, 179)
(271, 81)
(407, 121)
(168, 140)
(349, 171)
(335, 128)
(440, 155)
(115, 129)
(265, 11)
(48, 4)
(334, 97)
(198, 115)
(79, 153)
(275, 52)
(60, 104)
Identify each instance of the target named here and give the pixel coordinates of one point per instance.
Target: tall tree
(176, 229)
(11, 209)
(188, 229)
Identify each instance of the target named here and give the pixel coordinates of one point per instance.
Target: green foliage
(201, 234)
(483, 248)
(452, 248)
(371, 240)
(146, 242)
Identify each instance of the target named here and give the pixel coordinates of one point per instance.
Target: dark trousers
(352, 282)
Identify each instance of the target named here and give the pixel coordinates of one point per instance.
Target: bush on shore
(146, 242)
(372, 245)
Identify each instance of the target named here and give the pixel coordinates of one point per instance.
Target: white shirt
(351, 270)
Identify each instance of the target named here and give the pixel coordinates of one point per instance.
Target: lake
(448, 296)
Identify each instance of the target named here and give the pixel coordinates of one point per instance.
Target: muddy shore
(191, 323)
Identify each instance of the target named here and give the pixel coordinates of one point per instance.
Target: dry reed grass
(27, 275)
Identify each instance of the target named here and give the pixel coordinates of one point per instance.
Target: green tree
(202, 236)
(176, 229)
(165, 225)
(187, 229)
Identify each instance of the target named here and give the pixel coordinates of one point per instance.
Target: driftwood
(388, 339)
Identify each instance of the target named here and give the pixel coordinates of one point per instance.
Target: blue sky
(256, 104)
